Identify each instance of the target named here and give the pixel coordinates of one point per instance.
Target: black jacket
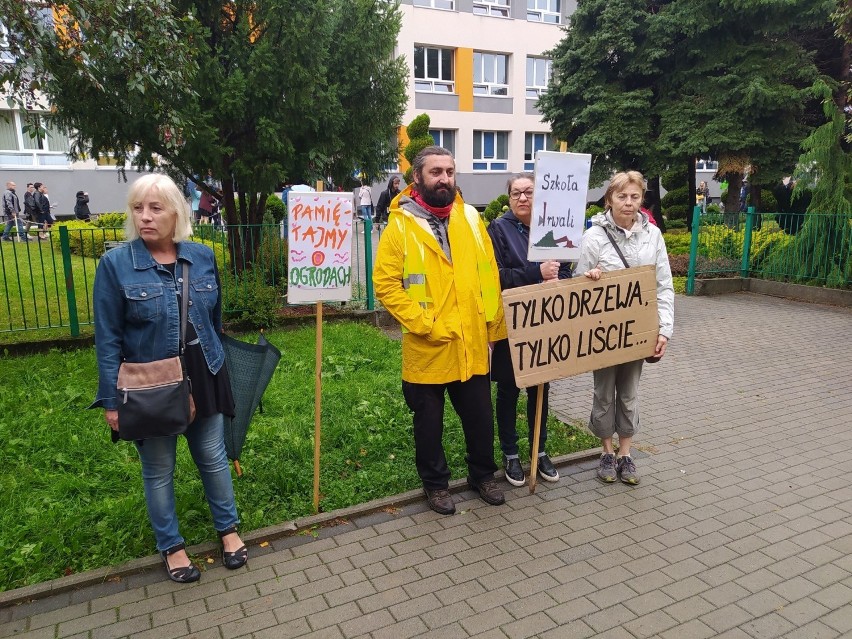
(81, 208)
(511, 238)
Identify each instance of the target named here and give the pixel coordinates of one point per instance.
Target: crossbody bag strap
(184, 306)
(617, 250)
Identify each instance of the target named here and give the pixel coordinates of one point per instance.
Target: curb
(98, 576)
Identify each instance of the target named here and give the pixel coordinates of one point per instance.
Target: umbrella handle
(237, 468)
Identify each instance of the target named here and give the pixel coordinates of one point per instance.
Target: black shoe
(546, 470)
(440, 501)
(236, 559)
(489, 492)
(184, 574)
(514, 471)
(7, 239)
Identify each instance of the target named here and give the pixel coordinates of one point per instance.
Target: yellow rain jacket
(448, 312)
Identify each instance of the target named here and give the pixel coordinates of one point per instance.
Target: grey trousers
(615, 405)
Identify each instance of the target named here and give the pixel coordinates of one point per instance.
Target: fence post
(65, 248)
(693, 250)
(368, 261)
(747, 242)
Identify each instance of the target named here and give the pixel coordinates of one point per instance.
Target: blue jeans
(11, 223)
(366, 212)
(206, 439)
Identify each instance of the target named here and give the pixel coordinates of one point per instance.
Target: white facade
(497, 68)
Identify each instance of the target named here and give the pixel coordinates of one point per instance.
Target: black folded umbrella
(250, 367)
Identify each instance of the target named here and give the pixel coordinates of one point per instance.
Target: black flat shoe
(236, 559)
(184, 574)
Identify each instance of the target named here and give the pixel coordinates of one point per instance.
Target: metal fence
(803, 248)
(47, 284)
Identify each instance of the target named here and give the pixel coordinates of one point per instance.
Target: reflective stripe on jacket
(449, 311)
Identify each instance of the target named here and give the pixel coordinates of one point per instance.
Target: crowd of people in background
(20, 217)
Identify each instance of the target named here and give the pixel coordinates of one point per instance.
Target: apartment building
(477, 68)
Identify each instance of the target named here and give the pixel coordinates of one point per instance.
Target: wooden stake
(539, 399)
(317, 408)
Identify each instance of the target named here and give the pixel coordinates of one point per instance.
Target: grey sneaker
(606, 469)
(627, 470)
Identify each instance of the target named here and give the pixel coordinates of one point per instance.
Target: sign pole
(317, 408)
(539, 401)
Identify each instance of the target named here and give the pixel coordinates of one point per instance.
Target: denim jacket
(137, 316)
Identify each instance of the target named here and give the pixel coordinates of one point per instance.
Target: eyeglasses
(516, 195)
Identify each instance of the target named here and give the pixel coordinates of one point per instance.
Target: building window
(490, 73)
(433, 70)
(535, 142)
(543, 11)
(436, 4)
(498, 8)
(18, 148)
(538, 75)
(490, 150)
(445, 138)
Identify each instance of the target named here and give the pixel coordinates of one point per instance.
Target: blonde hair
(620, 181)
(170, 197)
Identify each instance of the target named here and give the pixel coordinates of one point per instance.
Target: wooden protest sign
(566, 327)
(319, 247)
(319, 269)
(559, 205)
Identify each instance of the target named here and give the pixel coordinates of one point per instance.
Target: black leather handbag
(155, 398)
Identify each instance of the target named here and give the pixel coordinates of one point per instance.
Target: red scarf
(442, 212)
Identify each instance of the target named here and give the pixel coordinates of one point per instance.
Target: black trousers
(472, 402)
(507, 416)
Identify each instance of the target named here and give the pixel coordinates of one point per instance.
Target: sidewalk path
(741, 528)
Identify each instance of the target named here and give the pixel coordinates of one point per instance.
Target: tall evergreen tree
(643, 83)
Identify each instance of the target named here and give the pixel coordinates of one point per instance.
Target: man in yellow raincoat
(436, 274)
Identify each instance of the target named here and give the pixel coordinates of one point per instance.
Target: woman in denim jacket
(137, 319)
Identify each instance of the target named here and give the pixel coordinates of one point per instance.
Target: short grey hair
(518, 176)
(171, 198)
(420, 158)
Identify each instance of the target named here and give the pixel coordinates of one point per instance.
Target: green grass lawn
(70, 500)
(33, 292)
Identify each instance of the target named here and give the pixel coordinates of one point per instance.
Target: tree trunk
(690, 180)
(732, 202)
(652, 201)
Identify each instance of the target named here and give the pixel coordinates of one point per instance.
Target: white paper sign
(319, 238)
(559, 205)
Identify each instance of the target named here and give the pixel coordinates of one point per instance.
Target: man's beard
(438, 197)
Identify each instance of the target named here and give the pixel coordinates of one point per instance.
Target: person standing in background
(365, 201)
(385, 200)
(81, 208)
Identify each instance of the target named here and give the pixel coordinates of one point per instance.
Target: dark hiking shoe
(627, 470)
(440, 501)
(606, 469)
(489, 492)
(514, 472)
(546, 470)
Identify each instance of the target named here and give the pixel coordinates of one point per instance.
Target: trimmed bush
(593, 210)
(677, 212)
(418, 139)
(113, 220)
(496, 208)
(275, 206)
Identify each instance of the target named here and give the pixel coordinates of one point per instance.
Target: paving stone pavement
(740, 529)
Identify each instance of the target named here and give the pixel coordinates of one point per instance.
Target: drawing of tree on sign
(548, 241)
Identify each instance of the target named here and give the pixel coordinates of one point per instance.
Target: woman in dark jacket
(81, 208)
(510, 236)
(385, 200)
